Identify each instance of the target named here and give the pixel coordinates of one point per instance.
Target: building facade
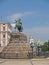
(5, 31)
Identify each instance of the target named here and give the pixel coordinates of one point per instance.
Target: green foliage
(45, 47)
(48, 44)
(18, 25)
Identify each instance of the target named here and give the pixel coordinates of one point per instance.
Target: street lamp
(39, 49)
(32, 47)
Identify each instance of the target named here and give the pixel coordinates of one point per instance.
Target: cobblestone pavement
(40, 61)
(24, 61)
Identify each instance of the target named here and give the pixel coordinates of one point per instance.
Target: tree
(18, 25)
(48, 45)
(45, 47)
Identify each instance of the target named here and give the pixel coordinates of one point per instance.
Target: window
(3, 24)
(3, 35)
(0, 45)
(4, 28)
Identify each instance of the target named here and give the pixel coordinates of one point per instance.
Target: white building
(5, 30)
(31, 40)
(39, 42)
(33, 44)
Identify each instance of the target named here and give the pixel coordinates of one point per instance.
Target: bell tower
(31, 40)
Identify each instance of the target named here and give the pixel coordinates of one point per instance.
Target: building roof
(3, 22)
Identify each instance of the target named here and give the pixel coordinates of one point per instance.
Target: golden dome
(30, 36)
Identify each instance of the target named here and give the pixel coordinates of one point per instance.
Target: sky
(34, 15)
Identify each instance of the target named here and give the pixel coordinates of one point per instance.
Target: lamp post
(32, 47)
(39, 49)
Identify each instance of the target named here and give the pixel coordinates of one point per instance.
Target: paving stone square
(24, 61)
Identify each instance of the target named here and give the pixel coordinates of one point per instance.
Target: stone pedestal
(18, 47)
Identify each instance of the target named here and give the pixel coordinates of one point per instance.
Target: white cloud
(15, 16)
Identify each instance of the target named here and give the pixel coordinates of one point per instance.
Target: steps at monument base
(15, 55)
(17, 49)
